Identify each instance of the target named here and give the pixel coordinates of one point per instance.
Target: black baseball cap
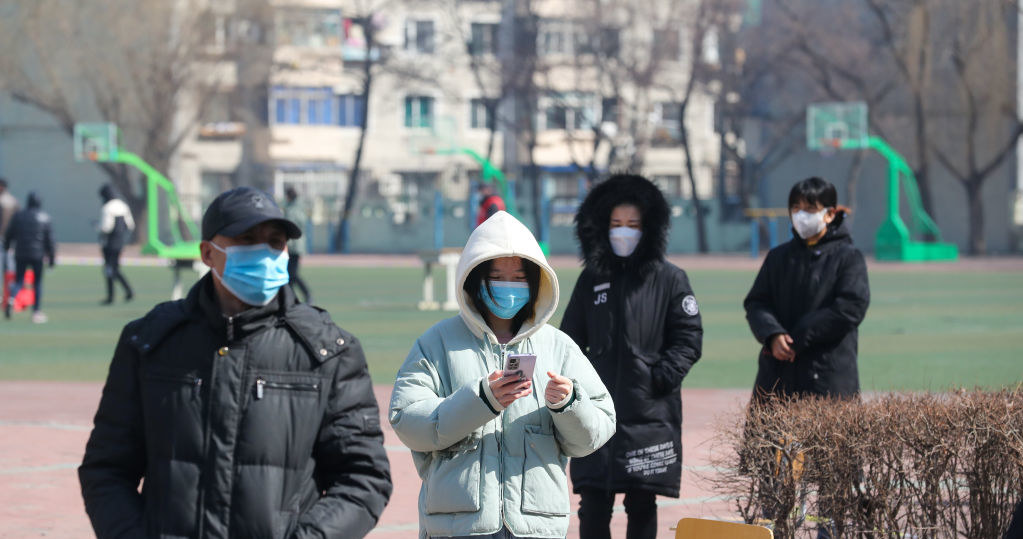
(240, 209)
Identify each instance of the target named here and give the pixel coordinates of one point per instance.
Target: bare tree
(376, 61)
(984, 128)
(621, 56)
(134, 63)
(707, 19)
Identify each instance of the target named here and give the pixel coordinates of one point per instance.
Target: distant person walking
(8, 207)
(490, 203)
(635, 316)
(115, 227)
(30, 233)
(808, 301)
(237, 412)
(295, 212)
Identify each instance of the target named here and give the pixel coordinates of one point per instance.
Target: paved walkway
(44, 426)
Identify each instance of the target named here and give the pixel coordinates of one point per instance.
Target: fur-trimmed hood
(592, 224)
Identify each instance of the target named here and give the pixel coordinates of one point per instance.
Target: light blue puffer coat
(482, 472)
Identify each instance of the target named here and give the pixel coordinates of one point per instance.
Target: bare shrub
(895, 466)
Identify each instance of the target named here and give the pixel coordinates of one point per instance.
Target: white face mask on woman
(809, 224)
(624, 240)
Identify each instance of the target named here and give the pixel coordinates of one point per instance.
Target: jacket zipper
(619, 321)
(262, 383)
(206, 429)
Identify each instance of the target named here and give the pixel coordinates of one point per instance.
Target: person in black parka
(634, 315)
(808, 300)
(31, 233)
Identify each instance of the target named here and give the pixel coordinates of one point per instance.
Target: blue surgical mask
(509, 297)
(253, 273)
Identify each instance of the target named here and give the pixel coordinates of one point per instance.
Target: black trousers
(20, 267)
(295, 280)
(112, 271)
(595, 507)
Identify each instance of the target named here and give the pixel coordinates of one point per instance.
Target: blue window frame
(350, 110)
(279, 116)
(306, 106)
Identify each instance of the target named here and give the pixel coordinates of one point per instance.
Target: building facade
(439, 74)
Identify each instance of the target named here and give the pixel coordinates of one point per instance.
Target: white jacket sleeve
(588, 421)
(422, 418)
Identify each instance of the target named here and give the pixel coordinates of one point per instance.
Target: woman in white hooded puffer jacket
(491, 450)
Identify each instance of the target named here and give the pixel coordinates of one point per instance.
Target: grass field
(924, 330)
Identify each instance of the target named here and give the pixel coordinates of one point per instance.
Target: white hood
(500, 236)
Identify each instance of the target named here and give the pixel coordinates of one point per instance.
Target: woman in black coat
(807, 301)
(635, 316)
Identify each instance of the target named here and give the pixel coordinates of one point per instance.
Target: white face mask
(624, 240)
(808, 224)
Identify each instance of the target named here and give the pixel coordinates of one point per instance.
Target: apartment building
(437, 78)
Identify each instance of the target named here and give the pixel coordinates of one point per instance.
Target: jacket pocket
(263, 384)
(544, 487)
(453, 485)
(283, 415)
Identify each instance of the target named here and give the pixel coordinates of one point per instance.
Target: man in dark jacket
(248, 414)
(30, 232)
(634, 315)
(115, 227)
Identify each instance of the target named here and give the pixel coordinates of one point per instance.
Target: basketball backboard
(96, 141)
(837, 125)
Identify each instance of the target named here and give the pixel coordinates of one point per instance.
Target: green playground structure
(100, 142)
(844, 126)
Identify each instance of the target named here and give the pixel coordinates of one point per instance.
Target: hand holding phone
(520, 365)
(507, 389)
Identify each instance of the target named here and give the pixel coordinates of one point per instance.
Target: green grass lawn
(924, 330)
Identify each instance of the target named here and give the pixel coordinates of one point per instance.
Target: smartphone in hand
(520, 365)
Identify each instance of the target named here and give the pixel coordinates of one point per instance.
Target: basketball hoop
(828, 146)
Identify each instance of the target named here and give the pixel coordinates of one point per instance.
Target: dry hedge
(897, 466)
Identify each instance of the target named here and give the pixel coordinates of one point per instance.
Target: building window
(609, 110)
(552, 38)
(571, 111)
(668, 129)
(314, 106)
(349, 108)
(480, 116)
(483, 39)
(419, 36)
(610, 42)
(418, 111)
(308, 27)
(666, 45)
(559, 37)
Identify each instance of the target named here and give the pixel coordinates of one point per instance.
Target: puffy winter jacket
(257, 426)
(818, 295)
(31, 233)
(482, 471)
(639, 324)
(116, 224)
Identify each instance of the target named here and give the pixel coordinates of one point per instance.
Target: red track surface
(44, 426)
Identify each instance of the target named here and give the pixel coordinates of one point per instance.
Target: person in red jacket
(490, 203)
